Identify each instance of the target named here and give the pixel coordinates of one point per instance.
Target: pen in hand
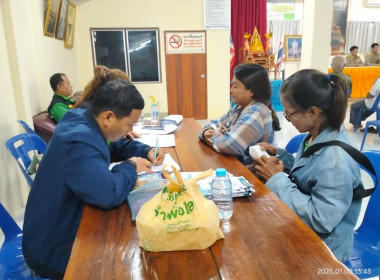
(155, 150)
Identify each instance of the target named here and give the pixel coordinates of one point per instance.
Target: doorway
(186, 69)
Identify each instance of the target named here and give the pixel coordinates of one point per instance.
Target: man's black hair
(353, 48)
(118, 96)
(55, 80)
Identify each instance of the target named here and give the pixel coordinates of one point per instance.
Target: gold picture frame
(70, 26)
(51, 17)
(60, 31)
(293, 47)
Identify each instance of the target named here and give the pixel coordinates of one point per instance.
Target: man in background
(373, 57)
(60, 102)
(365, 104)
(352, 59)
(337, 65)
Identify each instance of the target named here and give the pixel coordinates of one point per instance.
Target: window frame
(126, 50)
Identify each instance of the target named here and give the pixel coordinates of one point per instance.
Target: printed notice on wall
(185, 42)
(217, 14)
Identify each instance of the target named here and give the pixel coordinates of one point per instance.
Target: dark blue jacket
(74, 171)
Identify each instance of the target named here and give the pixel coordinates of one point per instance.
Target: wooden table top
(263, 240)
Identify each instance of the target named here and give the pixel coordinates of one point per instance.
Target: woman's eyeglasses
(287, 116)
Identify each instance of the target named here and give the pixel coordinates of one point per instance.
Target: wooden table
(263, 240)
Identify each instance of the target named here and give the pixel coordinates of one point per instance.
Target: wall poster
(338, 29)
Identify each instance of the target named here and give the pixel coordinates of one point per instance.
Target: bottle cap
(220, 172)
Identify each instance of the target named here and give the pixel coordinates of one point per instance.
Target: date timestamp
(357, 271)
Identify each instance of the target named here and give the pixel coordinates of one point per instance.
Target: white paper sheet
(164, 141)
(167, 160)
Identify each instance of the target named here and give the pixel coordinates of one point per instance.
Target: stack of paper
(172, 119)
(240, 186)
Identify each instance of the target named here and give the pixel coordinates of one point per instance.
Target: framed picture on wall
(70, 26)
(51, 17)
(60, 32)
(293, 47)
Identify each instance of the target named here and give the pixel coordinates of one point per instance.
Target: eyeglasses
(287, 116)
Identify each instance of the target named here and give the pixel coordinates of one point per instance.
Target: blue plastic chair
(374, 108)
(375, 123)
(12, 262)
(27, 128)
(365, 257)
(22, 147)
(294, 143)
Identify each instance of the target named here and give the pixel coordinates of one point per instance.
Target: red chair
(44, 125)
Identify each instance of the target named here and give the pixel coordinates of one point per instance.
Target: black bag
(355, 154)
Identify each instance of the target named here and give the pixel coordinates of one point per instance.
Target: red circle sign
(175, 41)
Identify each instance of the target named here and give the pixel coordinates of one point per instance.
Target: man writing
(60, 102)
(75, 171)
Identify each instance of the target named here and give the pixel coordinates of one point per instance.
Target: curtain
(376, 32)
(282, 28)
(245, 16)
(362, 34)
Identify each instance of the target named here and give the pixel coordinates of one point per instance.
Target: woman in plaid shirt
(250, 121)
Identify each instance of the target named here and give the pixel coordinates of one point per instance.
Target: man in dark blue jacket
(75, 171)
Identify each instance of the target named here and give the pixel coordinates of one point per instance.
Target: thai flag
(279, 55)
(232, 53)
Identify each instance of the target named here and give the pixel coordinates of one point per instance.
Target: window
(135, 51)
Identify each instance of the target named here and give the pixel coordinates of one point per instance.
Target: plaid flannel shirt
(241, 128)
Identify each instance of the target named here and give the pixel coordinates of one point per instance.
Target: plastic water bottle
(154, 114)
(221, 189)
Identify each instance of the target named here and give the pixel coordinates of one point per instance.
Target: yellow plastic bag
(179, 217)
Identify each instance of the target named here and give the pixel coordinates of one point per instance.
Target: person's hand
(207, 136)
(132, 135)
(222, 129)
(142, 164)
(266, 167)
(270, 149)
(156, 160)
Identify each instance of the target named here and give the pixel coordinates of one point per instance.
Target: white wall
(316, 37)
(359, 11)
(13, 188)
(167, 15)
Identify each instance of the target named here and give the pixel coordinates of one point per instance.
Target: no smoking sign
(175, 41)
(178, 42)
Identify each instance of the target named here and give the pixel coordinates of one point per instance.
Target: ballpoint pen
(155, 149)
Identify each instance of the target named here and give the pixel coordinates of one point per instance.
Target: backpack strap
(355, 154)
